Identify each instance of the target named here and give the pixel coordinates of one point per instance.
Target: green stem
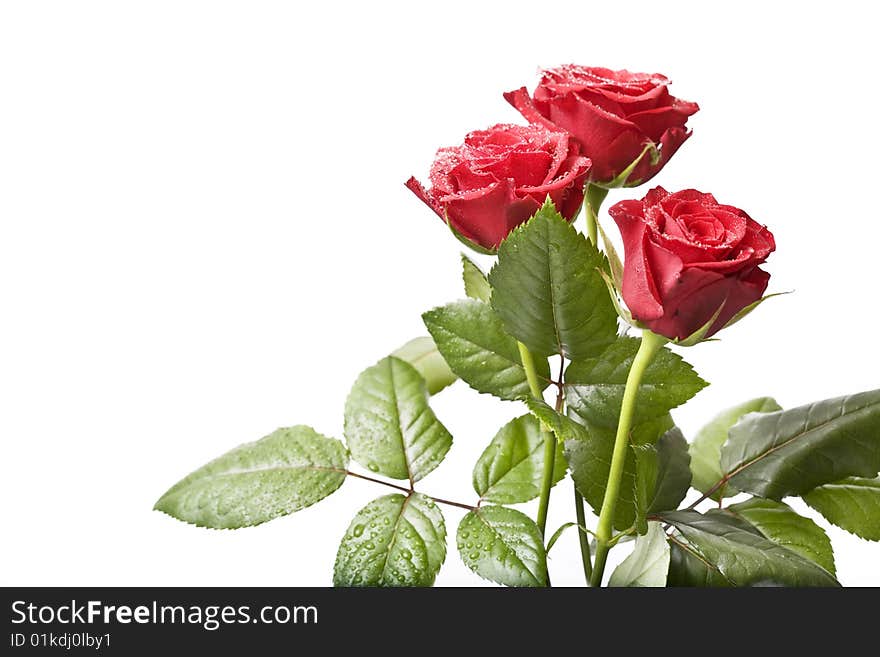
(528, 362)
(592, 202)
(593, 198)
(650, 345)
(582, 534)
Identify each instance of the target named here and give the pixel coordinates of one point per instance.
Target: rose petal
(525, 168)
(655, 121)
(462, 179)
(486, 216)
(639, 291)
(566, 191)
(419, 190)
(521, 100)
(670, 142)
(699, 296)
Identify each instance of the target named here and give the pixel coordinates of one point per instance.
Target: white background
(205, 236)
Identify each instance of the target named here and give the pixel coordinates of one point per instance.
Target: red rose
(685, 256)
(500, 177)
(613, 115)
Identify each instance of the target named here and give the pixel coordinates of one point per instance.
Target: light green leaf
(648, 563)
(852, 504)
(780, 523)
(621, 311)
(614, 263)
(284, 472)
(706, 449)
(791, 452)
(389, 426)
(424, 356)
(476, 286)
(673, 472)
(561, 530)
(395, 540)
(741, 554)
(472, 340)
(547, 290)
(511, 468)
(504, 546)
(594, 386)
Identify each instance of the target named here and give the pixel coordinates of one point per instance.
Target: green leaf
(589, 458)
(476, 286)
(673, 472)
(389, 426)
(780, 523)
(614, 263)
(662, 475)
(284, 472)
(472, 340)
(621, 311)
(741, 554)
(706, 448)
(504, 546)
(594, 386)
(511, 468)
(395, 540)
(424, 356)
(852, 504)
(547, 290)
(560, 531)
(648, 563)
(646, 481)
(588, 450)
(792, 452)
(687, 567)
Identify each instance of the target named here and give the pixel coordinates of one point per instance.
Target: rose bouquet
(554, 326)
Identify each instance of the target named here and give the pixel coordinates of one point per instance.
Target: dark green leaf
(284, 472)
(547, 289)
(780, 523)
(742, 554)
(395, 540)
(472, 340)
(648, 563)
(476, 286)
(792, 452)
(687, 567)
(706, 448)
(389, 426)
(424, 356)
(673, 472)
(594, 386)
(852, 504)
(504, 546)
(511, 468)
(647, 469)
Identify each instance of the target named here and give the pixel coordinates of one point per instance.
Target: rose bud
(626, 123)
(688, 259)
(499, 178)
